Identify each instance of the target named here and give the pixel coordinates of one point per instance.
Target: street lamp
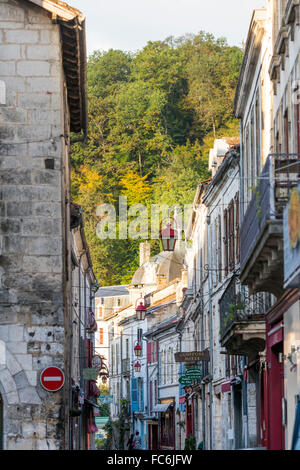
(140, 310)
(137, 349)
(137, 366)
(168, 237)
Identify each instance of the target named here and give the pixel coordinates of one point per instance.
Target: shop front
(275, 403)
(166, 431)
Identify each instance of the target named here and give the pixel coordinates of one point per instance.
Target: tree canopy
(153, 116)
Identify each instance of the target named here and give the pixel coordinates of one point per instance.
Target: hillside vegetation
(153, 115)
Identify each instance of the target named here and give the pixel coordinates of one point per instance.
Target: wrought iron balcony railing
(126, 366)
(281, 173)
(237, 305)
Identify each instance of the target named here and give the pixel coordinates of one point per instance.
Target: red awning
(226, 387)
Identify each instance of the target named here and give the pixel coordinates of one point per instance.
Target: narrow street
(149, 228)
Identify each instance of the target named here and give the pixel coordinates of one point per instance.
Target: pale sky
(130, 24)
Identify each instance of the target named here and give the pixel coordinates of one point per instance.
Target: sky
(130, 24)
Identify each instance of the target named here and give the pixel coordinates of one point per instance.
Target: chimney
(161, 281)
(144, 253)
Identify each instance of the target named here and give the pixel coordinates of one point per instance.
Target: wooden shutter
(237, 227)
(134, 395)
(149, 352)
(231, 236)
(226, 242)
(100, 335)
(151, 395)
(142, 395)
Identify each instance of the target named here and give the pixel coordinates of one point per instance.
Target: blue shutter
(142, 395)
(181, 389)
(134, 395)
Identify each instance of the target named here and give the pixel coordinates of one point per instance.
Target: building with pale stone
(42, 81)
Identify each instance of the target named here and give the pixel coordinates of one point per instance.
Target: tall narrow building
(42, 99)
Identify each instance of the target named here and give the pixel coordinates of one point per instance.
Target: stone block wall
(32, 208)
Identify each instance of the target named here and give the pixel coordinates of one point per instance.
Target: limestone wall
(32, 233)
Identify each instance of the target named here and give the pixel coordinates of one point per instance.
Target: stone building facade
(42, 70)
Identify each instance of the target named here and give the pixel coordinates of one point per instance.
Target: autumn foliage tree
(153, 116)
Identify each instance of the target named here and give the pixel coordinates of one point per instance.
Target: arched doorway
(1, 422)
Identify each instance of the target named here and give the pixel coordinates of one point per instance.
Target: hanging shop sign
(52, 379)
(90, 374)
(194, 373)
(186, 381)
(291, 240)
(106, 399)
(192, 356)
(190, 376)
(97, 362)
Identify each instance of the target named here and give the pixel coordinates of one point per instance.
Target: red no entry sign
(52, 379)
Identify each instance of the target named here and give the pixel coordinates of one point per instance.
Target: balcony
(242, 320)
(126, 366)
(262, 229)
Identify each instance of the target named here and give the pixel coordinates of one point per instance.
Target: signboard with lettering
(191, 375)
(106, 399)
(192, 356)
(291, 237)
(186, 380)
(90, 374)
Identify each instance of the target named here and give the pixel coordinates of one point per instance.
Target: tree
(153, 116)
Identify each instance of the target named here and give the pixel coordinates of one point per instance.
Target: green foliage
(153, 117)
(190, 443)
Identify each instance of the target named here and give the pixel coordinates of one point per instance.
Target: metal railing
(237, 305)
(126, 366)
(280, 173)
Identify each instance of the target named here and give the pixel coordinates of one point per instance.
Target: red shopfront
(274, 379)
(276, 403)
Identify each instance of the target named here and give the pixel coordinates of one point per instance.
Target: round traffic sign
(52, 379)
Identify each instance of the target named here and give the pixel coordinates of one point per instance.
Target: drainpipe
(71, 362)
(244, 360)
(202, 345)
(79, 342)
(210, 347)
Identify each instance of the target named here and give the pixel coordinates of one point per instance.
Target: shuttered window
(100, 335)
(134, 395)
(237, 228)
(231, 236)
(151, 395)
(226, 242)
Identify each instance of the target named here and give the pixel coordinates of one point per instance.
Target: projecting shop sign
(192, 356)
(291, 237)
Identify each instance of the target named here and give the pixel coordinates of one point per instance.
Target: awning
(161, 407)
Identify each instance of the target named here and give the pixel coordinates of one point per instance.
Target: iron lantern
(137, 349)
(140, 310)
(168, 237)
(137, 366)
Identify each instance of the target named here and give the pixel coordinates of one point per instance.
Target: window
(258, 134)
(151, 396)
(286, 132)
(231, 235)
(237, 227)
(119, 302)
(297, 127)
(102, 301)
(100, 313)
(140, 336)
(219, 253)
(226, 241)
(127, 348)
(101, 336)
(151, 352)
